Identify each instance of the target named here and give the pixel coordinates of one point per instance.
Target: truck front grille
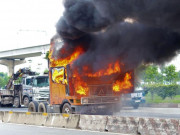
(100, 90)
(100, 100)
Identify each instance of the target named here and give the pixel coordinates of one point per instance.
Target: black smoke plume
(99, 26)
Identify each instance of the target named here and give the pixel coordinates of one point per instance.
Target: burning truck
(103, 42)
(86, 92)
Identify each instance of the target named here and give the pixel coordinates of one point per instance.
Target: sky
(25, 23)
(28, 22)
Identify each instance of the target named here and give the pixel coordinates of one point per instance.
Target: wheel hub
(66, 110)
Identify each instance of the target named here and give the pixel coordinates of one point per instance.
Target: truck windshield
(41, 82)
(29, 81)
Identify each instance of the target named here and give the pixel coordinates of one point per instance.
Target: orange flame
(63, 62)
(80, 86)
(126, 84)
(111, 69)
(57, 76)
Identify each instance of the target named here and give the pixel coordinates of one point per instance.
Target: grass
(158, 99)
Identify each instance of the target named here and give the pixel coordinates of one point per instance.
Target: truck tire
(135, 106)
(67, 109)
(42, 107)
(17, 102)
(26, 101)
(10, 105)
(2, 105)
(33, 106)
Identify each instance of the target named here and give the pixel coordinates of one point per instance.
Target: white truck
(40, 88)
(31, 88)
(40, 94)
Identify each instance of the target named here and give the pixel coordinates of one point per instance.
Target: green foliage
(158, 99)
(151, 75)
(46, 71)
(47, 55)
(161, 82)
(170, 74)
(3, 79)
(167, 91)
(163, 90)
(179, 76)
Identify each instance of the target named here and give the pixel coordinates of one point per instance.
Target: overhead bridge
(11, 58)
(23, 53)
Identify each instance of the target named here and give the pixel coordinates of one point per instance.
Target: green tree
(167, 90)
(47, 55)
(179, 76)
(170, 74)
(3, 79)
(151, 75)
(163, 90)
(151, 88)
(163, 83)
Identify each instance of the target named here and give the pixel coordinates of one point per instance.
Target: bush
(163, 90)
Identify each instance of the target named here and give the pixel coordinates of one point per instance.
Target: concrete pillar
(11, 64)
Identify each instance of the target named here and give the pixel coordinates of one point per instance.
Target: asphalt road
(22, 109)
(130, 112)
(14, 129)
(150, 112)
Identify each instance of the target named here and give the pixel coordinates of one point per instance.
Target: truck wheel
(2, 105)
(26, 101)
(42, 107)
(135, 106)
(33, 106)
(10, 105)
(67, 109)
(17, 102)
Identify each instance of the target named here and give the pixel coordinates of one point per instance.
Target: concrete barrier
(116, 124)
(29, 118)
(127, 125)
(63, 120)
(93, 122)
(38, 119)
(154, 126)
(9, 117)
(1, 116)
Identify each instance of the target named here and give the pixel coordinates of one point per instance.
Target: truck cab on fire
(94, 97)
(92, 93)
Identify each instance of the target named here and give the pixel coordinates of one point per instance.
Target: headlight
(84, 101)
